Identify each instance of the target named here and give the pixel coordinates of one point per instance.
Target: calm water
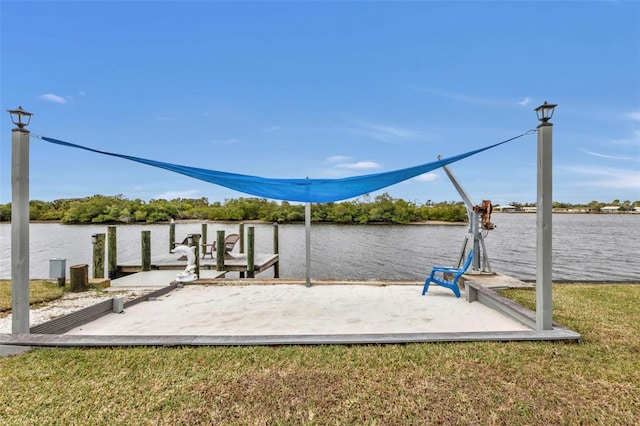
(585, 247)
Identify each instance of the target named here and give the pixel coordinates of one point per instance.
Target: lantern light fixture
(545, 111)
(20, 117)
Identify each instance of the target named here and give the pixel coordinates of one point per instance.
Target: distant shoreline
(263, 222)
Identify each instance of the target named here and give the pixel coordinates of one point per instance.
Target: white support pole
(543, 229)
(307, 233)
(20, 231)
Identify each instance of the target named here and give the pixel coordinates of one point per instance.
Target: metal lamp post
(544, 207)
(20, 221)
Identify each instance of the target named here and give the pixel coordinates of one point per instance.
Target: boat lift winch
(479, 225)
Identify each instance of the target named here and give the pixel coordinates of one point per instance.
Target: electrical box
(118, 305)
(57, 268)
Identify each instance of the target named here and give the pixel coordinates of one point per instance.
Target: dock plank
(157, 278)
(497, 281)
(236, 262)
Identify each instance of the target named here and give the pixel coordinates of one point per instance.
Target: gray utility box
(118, 305)
(57, 268)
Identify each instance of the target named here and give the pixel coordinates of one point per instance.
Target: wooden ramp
(236, 262)
(496, 281)
(158, 278)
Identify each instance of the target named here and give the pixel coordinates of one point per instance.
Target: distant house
(610, 209)
(505, 209)
(533, 209)
(635, 210)
(582, 210)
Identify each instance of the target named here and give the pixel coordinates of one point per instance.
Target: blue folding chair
(453, 283)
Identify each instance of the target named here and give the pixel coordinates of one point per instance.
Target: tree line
(117, 209)
(595, 206)
(363, 210)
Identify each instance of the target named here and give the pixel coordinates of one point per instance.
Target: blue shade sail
(303, 190)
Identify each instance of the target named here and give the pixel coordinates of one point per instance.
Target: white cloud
(338, 159)
(633, 140)
(524, 102)
(171, 195)
(359, 165)
(604, 177)
(271, 129)
(427, 177)
(387, 133)
(473, 100)
(635, 116)
(610, 157)
(50, 97)
(464, 98)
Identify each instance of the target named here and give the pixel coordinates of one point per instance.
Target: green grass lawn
(40, 291)
(516, 383)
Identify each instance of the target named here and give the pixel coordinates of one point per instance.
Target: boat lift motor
(479, 224)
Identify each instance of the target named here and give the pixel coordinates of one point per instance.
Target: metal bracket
(480, 262)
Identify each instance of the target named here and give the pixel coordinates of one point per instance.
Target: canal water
(585, 247)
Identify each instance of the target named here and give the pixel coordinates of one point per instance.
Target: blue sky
(323, 89)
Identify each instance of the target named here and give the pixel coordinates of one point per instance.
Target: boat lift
(479, 224)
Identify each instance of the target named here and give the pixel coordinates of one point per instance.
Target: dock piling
(172, 235)
(250, 251)
(220, 250)
(79, 277)
(112, 264)
(146, 250)
(196, 251)
(276, 250)
(203, 239)
(98, 241)
(241, 232)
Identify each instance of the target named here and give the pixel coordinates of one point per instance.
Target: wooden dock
(236, 262)
(156, 279)
(497, 281)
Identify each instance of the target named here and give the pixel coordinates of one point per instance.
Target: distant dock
(235, 262)
(249, 262)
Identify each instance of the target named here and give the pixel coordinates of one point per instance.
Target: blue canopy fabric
(302, 190)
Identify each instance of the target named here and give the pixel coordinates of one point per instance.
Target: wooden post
(146, 250)
(112, 264)
(220, 251)
(276, 250)
(196, 251)
(241, 232)
(79, 277)
(250, 252)
(98, 255)
(203, 240)
(172, 234)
